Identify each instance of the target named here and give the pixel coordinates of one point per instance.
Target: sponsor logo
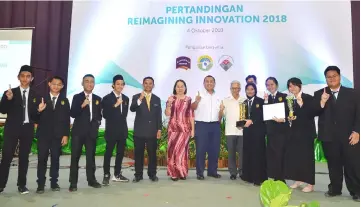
(183, 62)
(225, 62)
(205, 62)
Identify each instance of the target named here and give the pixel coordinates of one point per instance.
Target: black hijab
(255, 90)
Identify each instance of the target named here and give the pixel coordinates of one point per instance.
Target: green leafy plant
(277, 194)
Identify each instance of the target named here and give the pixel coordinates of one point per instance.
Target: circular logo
(205, 62)
(225, 62)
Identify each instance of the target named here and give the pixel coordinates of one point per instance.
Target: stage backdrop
(188, 40)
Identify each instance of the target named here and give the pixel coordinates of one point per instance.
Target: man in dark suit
(52, 132)
(147, 129)
(20, 104)
(86, 111)
(338, 109)
(115, 110)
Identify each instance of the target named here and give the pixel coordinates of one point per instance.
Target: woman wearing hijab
(277, 131)
(254, 145)
(299, 158)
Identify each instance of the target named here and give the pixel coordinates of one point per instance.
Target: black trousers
(139, 146)
(343, 159)
(46, 145)
(118, 158)
(25, 139)
(77, 143)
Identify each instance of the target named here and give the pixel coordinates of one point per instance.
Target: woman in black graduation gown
(299, 159)
(254, 145)
(277, 131)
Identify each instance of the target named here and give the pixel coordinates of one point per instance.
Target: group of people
(282, 148)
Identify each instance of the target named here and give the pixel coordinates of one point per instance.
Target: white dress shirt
(337, 91)
(120, 97)
(231, 114)
(208, 108)
(146, 94)
(26, 103)
(56, 99)
(90, 104)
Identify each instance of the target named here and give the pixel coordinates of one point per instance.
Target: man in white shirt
(207, 128)
(230, 111)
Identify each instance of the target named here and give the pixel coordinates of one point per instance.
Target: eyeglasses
(332, 77)
(235, 89)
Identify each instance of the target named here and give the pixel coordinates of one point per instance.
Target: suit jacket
(338, 120)
(147, 122)
(54, 123)
(82, 125)
(274, 127)
(258, 128)
(116, 126)
(14, 111)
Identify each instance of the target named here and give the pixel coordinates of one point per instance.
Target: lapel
(340, 96)
(18, 96)
(94, 101)
(151, 102)
(124, 105)
(114, 99)
(253, 107)
(31, 99)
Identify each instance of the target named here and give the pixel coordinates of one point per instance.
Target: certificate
(274, 110)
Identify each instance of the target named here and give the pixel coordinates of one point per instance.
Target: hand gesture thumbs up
(198, 97)
(9, 93)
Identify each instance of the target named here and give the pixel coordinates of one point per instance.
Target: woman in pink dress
(180, 129)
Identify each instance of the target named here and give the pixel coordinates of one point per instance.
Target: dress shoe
(356, 198)
(257, 184)
(215, 176)
(40, 190)
(55, 187)
(23, 190)
(106, 179)
(174, 179)
(73, 188)
(137, 179)
(200, 177)
(154, 178)
(1, 190)
(94, 184)
(183, 178)
(332, 194)
(233, 177)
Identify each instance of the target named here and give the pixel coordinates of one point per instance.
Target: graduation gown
(299, 158)
(254, 146)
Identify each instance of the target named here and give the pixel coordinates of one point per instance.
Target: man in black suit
(20, 104)
(115, 110)
(52, 132)
(86, 111)
(147, 129)
(338, 109)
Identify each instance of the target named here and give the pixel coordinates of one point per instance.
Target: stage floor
(165, 193)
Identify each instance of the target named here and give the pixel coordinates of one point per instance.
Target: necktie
(53, 102)
(249, 108)
(334, 95)
(24, 104)
(147, 98)
(120, 104)
(273, 98)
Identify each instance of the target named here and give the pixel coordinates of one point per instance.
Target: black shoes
(200, 177)
(332, 194)
(215, 176)
(137, 179)
(356, 198)
(106, 179)
(55, 187)
(233, 177)
(174, 179)
(23, 190)
(73, 188)
(40, 190)
(94, 184)
(1, 190)
(120, 178)
(154, 178)
(183, 178)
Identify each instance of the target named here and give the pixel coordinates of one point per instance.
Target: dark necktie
(24, 104)
(54, 102)
(334, 96)
(249, 108)
(273, 98)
